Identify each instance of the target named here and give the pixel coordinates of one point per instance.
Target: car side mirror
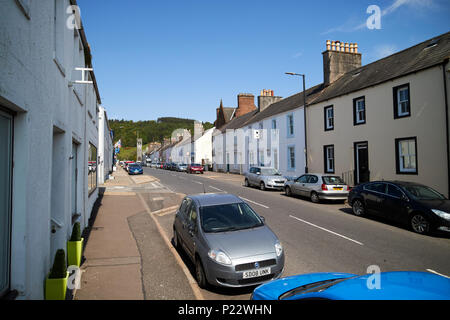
(263, 219)
(405, 198)
(258, 173)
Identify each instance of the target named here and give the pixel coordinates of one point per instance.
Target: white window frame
(400, 102)
(360, 114)
(329, 159)
(329, 120)
(411, 155)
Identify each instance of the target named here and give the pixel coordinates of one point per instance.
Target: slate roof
(424, 55)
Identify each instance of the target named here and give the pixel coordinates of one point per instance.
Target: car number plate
(337, 188)
(256, 273)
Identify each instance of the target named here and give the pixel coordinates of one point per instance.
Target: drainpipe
(446, 124)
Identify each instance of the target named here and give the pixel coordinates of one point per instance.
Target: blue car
(399, 285)
(134, 168)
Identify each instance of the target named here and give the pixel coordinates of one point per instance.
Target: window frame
(288, 125)
(398, 156)
(395, 90)
(327, 127)
(326, 159)
(356, 120)
(289, 167)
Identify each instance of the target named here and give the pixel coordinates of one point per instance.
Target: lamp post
(304, 115)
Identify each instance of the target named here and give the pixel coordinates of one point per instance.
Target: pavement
(126, 257)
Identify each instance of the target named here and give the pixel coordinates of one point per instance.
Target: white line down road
(332, 232)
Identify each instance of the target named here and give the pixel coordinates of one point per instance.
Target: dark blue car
(400, 285)
(135, 168)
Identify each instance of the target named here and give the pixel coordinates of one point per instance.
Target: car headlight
(278, 248)
(442, 214)
(219, 256)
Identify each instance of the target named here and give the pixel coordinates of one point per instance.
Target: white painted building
(49, 130)
(105, 147)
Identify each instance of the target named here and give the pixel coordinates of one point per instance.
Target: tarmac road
(324, 237)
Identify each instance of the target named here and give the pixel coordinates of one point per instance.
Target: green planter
(74, 252)
(55, 289)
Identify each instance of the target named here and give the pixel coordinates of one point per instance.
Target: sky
(179, 58)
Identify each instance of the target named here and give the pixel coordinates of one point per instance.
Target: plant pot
(74, 252)
(55, 289)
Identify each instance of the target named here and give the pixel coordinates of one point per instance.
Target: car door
(191, 229)
(299, 185)
(257, 176)
(312, 184)
(250, 175)
(394, 204)
(374, 197)
(183, 218)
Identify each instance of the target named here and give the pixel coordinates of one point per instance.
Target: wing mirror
(405, 198)
(258, 173)
(263, 219)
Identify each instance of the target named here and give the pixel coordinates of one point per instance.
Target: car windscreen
(196, 165)
(229, 217)
(134, 166)
(332, 180)
(423, 192)
(270, 172)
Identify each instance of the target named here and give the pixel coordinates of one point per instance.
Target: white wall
(49, 118)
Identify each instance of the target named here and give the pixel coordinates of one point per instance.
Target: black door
(362, 173)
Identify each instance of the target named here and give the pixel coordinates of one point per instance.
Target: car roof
(213, 199)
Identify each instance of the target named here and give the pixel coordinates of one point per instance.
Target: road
(324, 237)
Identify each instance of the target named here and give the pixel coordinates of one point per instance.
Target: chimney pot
(347, 47)
(351, 47)
(338, 46)
(333, 45)
(356, 47)
(328, 45)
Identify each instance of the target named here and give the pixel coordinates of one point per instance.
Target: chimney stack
(266, 99)
(246, 104)
(338, 59)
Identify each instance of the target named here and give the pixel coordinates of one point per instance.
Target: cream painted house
(387, 120)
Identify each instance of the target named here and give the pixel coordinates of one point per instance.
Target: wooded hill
(150, 131)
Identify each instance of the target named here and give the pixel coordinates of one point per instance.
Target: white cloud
(396, 4)
(384, 50)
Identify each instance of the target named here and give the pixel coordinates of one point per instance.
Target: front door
(6, 147)
(362, 173)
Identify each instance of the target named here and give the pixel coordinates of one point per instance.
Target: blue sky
(179, 58)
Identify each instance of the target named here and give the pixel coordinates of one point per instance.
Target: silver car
(318, 187)
(264, 178)
(228, 242)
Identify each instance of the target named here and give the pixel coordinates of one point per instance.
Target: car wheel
(420, 224)
(262, 186)
(315, 197)
(358, 208)
(246, 183)
(288, 191)
(200, 274)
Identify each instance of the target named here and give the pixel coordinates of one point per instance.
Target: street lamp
(304, 115)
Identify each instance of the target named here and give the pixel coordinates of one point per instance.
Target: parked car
(181, 167)
(229, 243)
(420, 207)
(399, 285)
(318, 187)
(264, 178)
(195, 168)
(135, 168)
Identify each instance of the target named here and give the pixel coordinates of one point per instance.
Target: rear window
(332, 180)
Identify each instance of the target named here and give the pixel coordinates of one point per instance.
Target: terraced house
(49, 140)
(385, 120)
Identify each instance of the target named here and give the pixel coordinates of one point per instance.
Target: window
(328, 154)
(394, 191)
(6, 131)
(376, 187)
(92, 168)
(313, 179)
(402, 101)
(291, 158)
(329, 118)
(406, 153)
(290, 125)
(359, 111)
(274, 123)
(302, 179)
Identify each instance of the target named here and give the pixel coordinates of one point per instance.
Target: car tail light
(324, 186)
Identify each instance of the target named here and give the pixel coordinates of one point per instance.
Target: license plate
(256, 273)
(337, 188)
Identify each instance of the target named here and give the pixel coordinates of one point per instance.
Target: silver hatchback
(264, 178)
(229, 243)
(318, 187)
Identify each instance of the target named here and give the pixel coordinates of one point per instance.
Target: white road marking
(439, 274)
(259, 204)
(197, 182)
(215, 188)
(332, 232)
